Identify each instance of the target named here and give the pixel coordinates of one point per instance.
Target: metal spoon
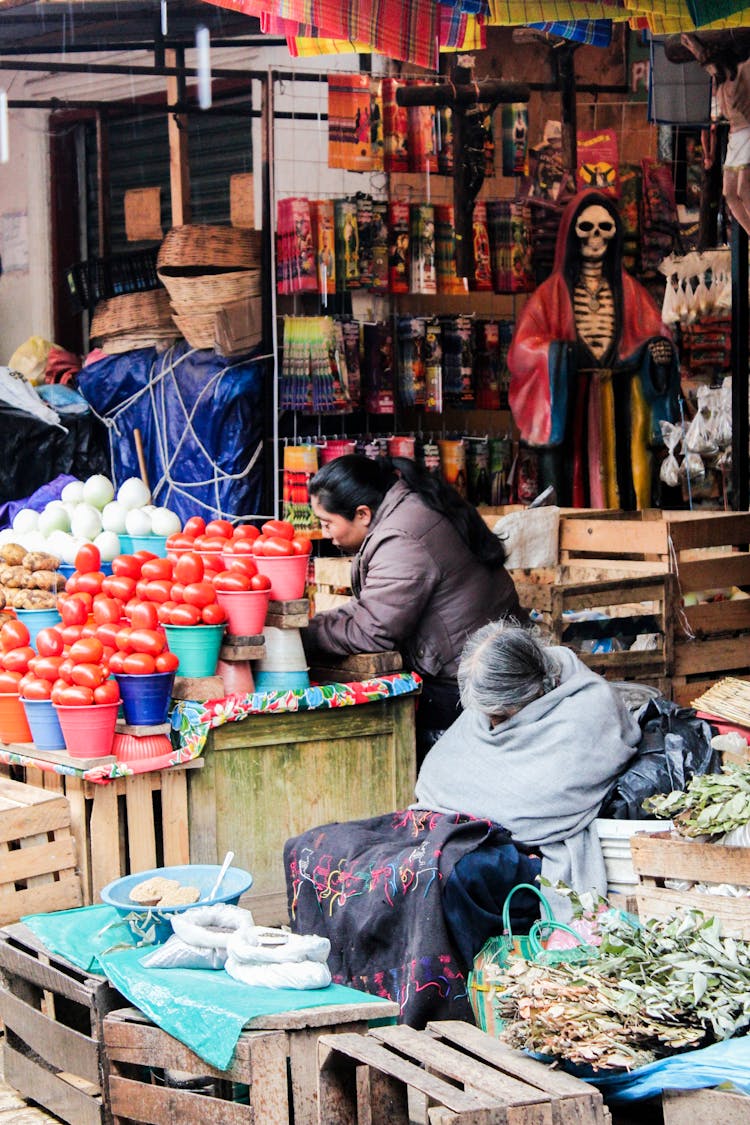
(220, 878)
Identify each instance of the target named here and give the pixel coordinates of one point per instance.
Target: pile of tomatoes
(70, 674)
(219, 539)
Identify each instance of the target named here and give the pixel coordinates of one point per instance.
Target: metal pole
(740, 326)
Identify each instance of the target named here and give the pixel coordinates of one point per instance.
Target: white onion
(54, 518)
(72, 548)
(165, 522)
(25, 520)
(113, 517)
(73, 492)
(35, 540)
(57, 542)
(133, 494)
(138, 522)
(98, 490)
(86, 522)
(7, 535)
(109, 545)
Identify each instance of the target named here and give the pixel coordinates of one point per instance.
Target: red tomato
(178, 591)
(183, 542)
(88, 558)
(24, 682)
(122, 640)
(75, 695)
(199, 593)
(157, 568)
(213, 614)
(279, 529)
(210, 544)
(232, 581)
(37, 689)
(301, 545)
(107, 611)
(214, 565)
(185, 615)
(49, 642)
(71, 633)
(9, 682)
(222, 528)
(148, 640)
(130, 608)
(108, 692)
(88, 675)
(138, 664)
(140, 589)
(89, 629)
(195, 526)
(244, 547)
(260, 582)
(189, 568)
(245, 531)
(17, 660)
(14, 634)
(127, 566)
(108, 653)
(89, 650)
(259, 547)
(164, 611)
(144, 556)
(90, 582)
(58, 687)
(119, 586)
(167, 662)
(159, 590)
(277, 548)
(117, 662)
(243, 565)
(50, 667)
(73, 611)
(144, 615)
(107, 634)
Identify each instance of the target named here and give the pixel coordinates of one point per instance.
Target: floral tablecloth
(192, 721)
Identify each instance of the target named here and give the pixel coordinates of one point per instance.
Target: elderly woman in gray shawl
(540, 741)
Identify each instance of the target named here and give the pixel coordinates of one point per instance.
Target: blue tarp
(201, 423)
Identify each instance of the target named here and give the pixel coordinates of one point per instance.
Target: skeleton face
(595, 228)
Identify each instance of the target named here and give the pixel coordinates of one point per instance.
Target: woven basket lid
(200, 249)
(122, 315)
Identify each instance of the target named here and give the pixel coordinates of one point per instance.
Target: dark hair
(343, 485)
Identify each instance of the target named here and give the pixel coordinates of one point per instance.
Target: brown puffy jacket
(418, 588)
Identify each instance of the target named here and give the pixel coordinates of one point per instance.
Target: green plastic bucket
(196, 647)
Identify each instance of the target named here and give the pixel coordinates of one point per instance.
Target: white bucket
(284, 651)
(614, 837)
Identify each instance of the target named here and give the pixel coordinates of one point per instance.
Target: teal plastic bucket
(146, 699)
(157, 544)
(281, 681)
(37, 619)
(46, 732)
(196, 647)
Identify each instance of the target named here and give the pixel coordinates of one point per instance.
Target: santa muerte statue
(593, 369)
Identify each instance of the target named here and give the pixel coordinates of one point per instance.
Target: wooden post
(102, 183)
(179, 170)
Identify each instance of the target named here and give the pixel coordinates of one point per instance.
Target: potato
(12, 554)
(47, 580)
(38, 560)
(13, 576)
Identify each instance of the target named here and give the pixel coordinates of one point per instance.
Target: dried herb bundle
(654, 991)
(713, 803)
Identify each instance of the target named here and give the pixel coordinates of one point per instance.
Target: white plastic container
(284, 651)
(614, 837)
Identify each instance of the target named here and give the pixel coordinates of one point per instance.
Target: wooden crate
(348, 669)
(555, 591)
(692, 1107)
(131, 824)
(333, 583)
(37, 852)
(270, 777)
(53, 1015)
(275, 1054)
(462, 1074)
(663, 855)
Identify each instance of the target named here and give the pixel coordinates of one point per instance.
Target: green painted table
(269, 777)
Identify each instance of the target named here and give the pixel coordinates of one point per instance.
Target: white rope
(155, 388)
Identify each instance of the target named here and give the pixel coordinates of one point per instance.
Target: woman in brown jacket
(427, 573)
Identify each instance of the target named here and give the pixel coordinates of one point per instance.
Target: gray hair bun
(504, 667)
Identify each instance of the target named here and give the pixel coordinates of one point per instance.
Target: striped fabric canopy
(413, 31)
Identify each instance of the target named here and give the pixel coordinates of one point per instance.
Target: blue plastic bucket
(157, 544)
(281, 681)
(46, 732)
(146, 699)
(37, 619)
(67, 570)
(196, 647)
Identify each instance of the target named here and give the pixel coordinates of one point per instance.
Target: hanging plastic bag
(669, 472)
(697, 436)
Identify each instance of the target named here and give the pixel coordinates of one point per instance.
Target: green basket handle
(546, 908)
(535, 944)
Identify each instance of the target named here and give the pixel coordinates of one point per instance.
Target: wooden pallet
(276, 1057)
(665, 855)
(53, 1015)
(131, 824)
(37, 852)
(459, 1075)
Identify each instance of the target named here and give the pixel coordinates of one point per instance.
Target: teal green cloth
(206, 1010)
(706, 11)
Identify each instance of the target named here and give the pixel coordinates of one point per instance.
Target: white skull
(595, 228)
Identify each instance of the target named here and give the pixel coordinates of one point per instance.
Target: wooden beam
(179, 170)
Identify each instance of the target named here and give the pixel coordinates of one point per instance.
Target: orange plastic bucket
(14, 726)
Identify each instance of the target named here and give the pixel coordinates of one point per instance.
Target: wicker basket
(211, 291)
(159, 338)
(131, 312)
(198, 328)
(202, 249)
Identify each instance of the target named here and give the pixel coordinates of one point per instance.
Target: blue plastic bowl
(281, 681)
(201, 875)
(67, 569)
(157, 544)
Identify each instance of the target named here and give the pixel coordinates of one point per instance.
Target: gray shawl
(542, 774)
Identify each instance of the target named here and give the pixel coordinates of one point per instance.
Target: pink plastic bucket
(288, 574)
(89, 732)
(246, 610)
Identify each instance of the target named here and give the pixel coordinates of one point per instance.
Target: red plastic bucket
(89, 732)
(14, 726)
(288, 574)
(246, 610)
